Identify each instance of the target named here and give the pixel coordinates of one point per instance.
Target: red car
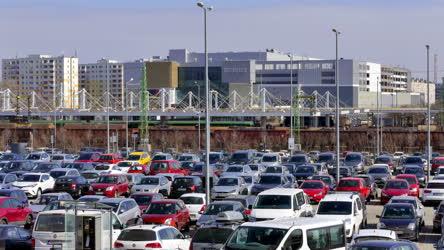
(353, 184)
(394, 187)
(13, 211)
(111, 185)
(413, 183)
(167, 166)
(138, 169)
(436, 163)
(110, 158)
(170, 212)
(88, 157)
(315, 189)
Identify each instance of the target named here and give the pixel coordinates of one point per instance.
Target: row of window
(283, 66)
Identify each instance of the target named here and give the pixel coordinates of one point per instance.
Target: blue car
(383, 245)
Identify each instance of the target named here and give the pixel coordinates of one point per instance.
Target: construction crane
(144, 98)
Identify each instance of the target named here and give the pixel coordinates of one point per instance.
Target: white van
(55, 230)
(281, 202)
(289, 233)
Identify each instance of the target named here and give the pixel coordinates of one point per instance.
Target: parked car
(144, 199)
(419, 208)
(126, 209)
(134, 179)
(212, 236)
(386, 159)
(418, 171)
(74, 185)
(370, 183)
(17, 194)
(92, 175)
(139, 169)
(34, 184)
(237, 170)
(188, 157)
(433, 193)
(268, 181)
(327, 158)
(62, 158)
(303, 172)
(88, 157)
(413, 183)
(355, 160)
(400, 217)
(6, 180)
(38, 157)
(110, 158)
(246, 200)
(241, 157)
(168, 212)
(166, 166)
(354, 184)
(162, 157)
(80, 166)
(327, 179)
(151, 237)
(270, 159)
(45, 167)
(110, 185)
(437, 218)
(186, 184)
(276, 170)
(384, 244)
(41, 202)
(142, 157)
(299, 159)
(108, 168)
(153, 184)
(18, 165)
(13, 211)
(59, 172)
(343, 172)
(315, 189)
(214, 208)
(196, 204)
(228, 186)
(373, 234)
(381, 174)
(394, 187)
(15, 237)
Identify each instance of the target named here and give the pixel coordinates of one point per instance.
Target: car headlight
(347, 222)
(110, 188)
(414, 190)
(167, 221)
(380, 225)
(411, 226)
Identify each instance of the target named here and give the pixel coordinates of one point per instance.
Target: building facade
(394, 79)
(417, 85)
(53, 78)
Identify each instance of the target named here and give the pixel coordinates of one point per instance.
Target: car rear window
(311, 185)
(137, 235)
(397, 185)
(50, 223)
(348, 183)
(183, 181)
(189, 200)
(212, 235)
(436, 185)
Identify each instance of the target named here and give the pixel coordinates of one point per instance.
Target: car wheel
(39, 193)
(28, 221)
(3, 221)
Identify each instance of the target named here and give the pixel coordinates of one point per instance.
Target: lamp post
(337, 33)
(207, 106)
(377, 116)
(429, 148)
(107, 110)
(291, 102)
(126, 114)
(198, 115)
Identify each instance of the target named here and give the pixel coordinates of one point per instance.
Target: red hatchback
(315, 189)
(394, 187)
(353, 184)
(110, 158)
(13, 211)
(413, 183)
(167, 166)
(436, 163)
(111, 185)
(138, 169)
(169, 212)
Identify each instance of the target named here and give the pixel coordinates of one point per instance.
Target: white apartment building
(53, 78)
(417, 85)
(94, 78)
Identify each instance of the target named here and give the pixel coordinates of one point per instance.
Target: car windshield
(435, 185)
(353, 157)
(197, 168)
(248, 179)
(55, 174)
(410, 180)
(85, 156)
(90, 175)
(257, 238)
(404, 201)
(212, 235)
(348, 183)
(378, 171)
(89, 199)
(325, 179)
(190, 200)
(133, 157)
(335, 207)
(7, 157)
(57, 157)
(30, 178)
(383, 160)
(107, 179)
(227, 182)
(46, 199)
(215, 209)
(33, 157)
(43, 167)
(311, 185)
(273, 202)
(270, 179)
(268, 158)
(239, 156)
(106, 157)
(398, 212)
(50, 223)
(396, 185)
(413, 171)
(254, 167)
(77, 166)
(364, 247)
(142, 199)
(115, 205)
(159, 157)
(273, 170)
(298, 159)
(137, 235)
(149, 181)
(102, 167)
(234, 169)
(185, 158)
(304, 170)
(325, 158)
(182, 181)
(162, 208)
(366, 238)
(159, 165)
(413, 160)
(124, 164)
(214, 157)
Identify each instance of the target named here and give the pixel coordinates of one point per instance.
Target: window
(163, 234)
(294, 240)
(300, 198)
(280, 66)
(358, 202)
(174, 233)
(259, 66)
(317, 238)
(336, 236)
(268, 66)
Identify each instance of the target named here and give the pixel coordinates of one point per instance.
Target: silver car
(126, 209)
(153, 184)
(419, 208)
(228, 186)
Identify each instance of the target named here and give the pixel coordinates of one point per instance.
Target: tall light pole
(291, 102)
(337, 33)
(126, 115)
(377, 116)
(429, 148)
(198, 113)
(107, 110)
(207, 106)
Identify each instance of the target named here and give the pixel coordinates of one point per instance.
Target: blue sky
(389, 32)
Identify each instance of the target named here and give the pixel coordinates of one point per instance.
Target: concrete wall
(390, 100)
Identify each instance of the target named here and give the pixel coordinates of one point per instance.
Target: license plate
(181, 189)
(99, 193)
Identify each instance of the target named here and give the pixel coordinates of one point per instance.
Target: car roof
(376, 232)
(403, 197)
(62, 169)
(340, 196)
(281, 191)
(34, 173)
(194, 195)
(154, 227)
(114, 200)
(380, 243)
(288, 222)
(436, 181)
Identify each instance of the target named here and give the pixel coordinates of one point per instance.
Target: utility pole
(429, 148)
(338, 147)
(108, 149)
(377, 116)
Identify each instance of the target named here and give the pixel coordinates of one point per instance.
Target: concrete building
(54, 78)
(417, 85)
(94, 78)
(394, 79)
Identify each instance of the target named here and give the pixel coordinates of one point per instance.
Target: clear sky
(384, 31)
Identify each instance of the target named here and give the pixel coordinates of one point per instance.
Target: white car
(271, 159)
(433, 192)
(38, 157)
(124, 166)
(34, 184)
(373, 234)
(237, 170)
(196, 204)
(153, 184)
(126, 208)
(108, 168)
(345, 206)
(152, 236)
(397, 155)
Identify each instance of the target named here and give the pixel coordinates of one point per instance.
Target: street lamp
(291, 103)
(107, 110)
(126, 115)
(337, 33)
(429, 148)
(207, 106)
(198, 114)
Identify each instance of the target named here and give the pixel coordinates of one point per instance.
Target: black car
(17, 194)
(241, 157)
(299, 159)
(437, 219)
(413, 160)
(418, 171)
(303, 172)
(80, 166)
(343, 172)
(186, 184)
(267, 181)
(19, 165)
(355, 160)
(74, 185)
(327, 158)
(370, 183)
(15, 237)
(401, 218)
(45, 167)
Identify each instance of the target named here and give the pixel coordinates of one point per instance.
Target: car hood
(23, 184)
(102, 185)
(396, 192)
(224, 189)
(37, 208)
(271, 213)
(150, 187)
(156, 217)
(397, 222)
